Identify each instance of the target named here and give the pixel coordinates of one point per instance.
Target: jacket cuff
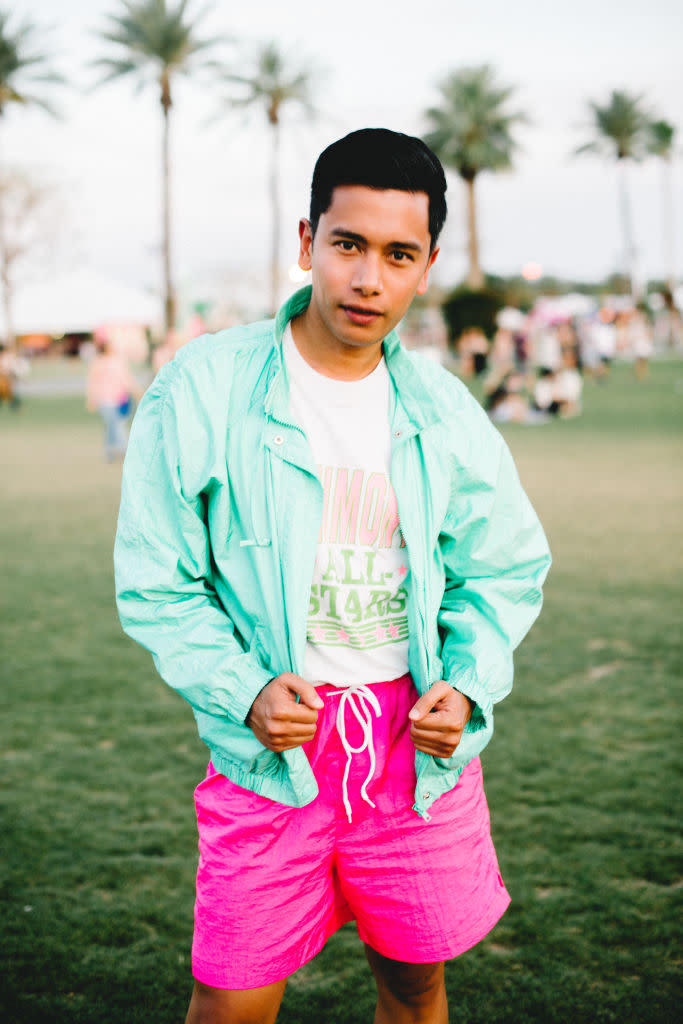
(253, 677)
(465, 682)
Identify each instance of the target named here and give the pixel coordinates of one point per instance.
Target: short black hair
(381, 159)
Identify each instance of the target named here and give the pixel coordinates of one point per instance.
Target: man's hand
(278, 720)
(438, 718)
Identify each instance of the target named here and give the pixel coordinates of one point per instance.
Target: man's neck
(339, 361)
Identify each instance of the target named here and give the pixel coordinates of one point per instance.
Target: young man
(325, 545)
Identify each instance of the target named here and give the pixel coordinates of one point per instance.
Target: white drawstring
(364, 719)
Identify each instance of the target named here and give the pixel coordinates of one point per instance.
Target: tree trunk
(6, 282)
(627, 228)
(169, 292)
(10, 336)
(475, 277)
(668, 224)
(275, 214)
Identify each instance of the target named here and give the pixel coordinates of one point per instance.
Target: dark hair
(381, 159)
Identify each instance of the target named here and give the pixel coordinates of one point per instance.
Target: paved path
(63, 387)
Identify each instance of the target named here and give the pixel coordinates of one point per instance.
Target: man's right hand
(278, 719)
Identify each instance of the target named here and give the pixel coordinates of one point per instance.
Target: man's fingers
(307, 693)
(438, 744)
(297, 713)
(277, 740)
(436, 721)
(423, 706)
(285, 713)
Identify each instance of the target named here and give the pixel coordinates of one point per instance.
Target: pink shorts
(275, 882)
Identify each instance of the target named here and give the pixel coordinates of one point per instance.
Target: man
(326, 547)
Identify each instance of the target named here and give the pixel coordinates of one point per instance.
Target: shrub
(465, 309)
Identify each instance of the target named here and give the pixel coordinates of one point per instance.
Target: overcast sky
(379, 64)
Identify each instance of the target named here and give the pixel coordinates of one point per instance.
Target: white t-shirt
(357, 619)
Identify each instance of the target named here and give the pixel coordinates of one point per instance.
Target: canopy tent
(558, 308)
(79, 302)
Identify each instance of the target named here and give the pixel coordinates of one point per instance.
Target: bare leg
(408, 993)
(247, 1006)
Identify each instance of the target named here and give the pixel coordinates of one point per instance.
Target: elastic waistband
(338, 688)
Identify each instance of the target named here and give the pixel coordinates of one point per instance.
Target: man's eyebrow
(352, 235)
(362, 240)
(413, 246)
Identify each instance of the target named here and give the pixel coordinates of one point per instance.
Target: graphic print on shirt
(358, 598)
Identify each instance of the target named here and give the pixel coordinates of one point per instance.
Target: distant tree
(620, 131)
(660, 143)
(28, 214)
(23, 67)
(472, 131)
(154, 39)
(467, 309)
(272, 84)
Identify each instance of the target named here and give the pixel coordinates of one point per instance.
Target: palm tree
(22, 67)
(152, 38)
(272, 85)
(472, 131)
(620, 130)
(660, 143)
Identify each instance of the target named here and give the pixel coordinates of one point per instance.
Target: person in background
(640, 342)
(110, 391)
(12, 368)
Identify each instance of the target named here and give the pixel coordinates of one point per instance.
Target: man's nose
(367, 278)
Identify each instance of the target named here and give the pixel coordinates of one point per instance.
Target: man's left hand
(438, 718)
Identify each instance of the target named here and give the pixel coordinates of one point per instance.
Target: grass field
(99, 758)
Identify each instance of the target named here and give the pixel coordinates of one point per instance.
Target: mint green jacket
(220, 514)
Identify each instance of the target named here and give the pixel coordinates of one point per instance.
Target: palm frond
(150, 33)
(661, 139)
(271, 84)
(619, 127)
(22, 66)
(473, 128)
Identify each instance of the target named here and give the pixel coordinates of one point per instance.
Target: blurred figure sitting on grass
(473, 348)
(558, 392)
(506, 402)
(510, 398)
(110, 391)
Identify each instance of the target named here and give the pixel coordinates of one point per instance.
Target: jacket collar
(410, 389)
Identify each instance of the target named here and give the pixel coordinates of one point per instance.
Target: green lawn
(100, 759)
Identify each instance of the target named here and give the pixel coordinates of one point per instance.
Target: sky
(377, 64)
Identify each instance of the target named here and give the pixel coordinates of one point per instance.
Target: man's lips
(361, 314)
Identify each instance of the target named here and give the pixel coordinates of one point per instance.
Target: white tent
(78, 302)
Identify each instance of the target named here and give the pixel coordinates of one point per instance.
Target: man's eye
(400, 256)
(345, 245)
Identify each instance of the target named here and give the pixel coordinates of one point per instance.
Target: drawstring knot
(357, 699)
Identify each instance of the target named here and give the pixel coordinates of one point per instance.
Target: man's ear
(424, 282)
(305, 244)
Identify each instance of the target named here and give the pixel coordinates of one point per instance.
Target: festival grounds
(99, 757)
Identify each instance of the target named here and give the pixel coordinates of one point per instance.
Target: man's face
(369, 258)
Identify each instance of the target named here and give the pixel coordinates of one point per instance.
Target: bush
(465, 309)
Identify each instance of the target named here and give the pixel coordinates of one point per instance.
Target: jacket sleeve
(496, 558)
(162, 560)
